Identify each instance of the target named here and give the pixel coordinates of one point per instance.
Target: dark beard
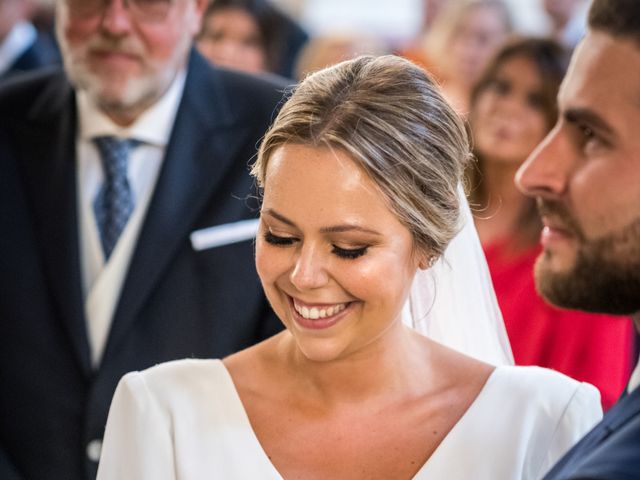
(606, 275)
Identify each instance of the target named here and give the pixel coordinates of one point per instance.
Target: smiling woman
(360, 176)
(328, 243)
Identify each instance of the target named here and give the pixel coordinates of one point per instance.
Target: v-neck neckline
(261, 454)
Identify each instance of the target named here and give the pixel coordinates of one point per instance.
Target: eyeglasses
(141, 10)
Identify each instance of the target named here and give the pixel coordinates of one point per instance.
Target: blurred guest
(513, 108)
(22, 47)
(462, 39)
(327, 50)
(431, 10)
(250, 35)
(568, 20)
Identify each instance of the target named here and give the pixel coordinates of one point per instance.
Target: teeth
(314, 313)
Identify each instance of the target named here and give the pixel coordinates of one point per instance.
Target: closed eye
(279, 241)
(349, 253)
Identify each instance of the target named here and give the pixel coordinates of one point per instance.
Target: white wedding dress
(184, 420)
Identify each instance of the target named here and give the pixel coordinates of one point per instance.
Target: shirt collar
(152, 127)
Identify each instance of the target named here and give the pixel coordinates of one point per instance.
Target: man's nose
(116, 17)
(546, 172)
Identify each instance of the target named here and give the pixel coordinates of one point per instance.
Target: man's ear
(199, 8)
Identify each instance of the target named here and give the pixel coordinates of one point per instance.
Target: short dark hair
(619, 18)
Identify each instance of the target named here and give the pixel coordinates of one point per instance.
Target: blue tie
(114, 204)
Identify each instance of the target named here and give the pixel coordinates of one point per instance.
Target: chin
(120, 91)
(552, 262)
(321, 350)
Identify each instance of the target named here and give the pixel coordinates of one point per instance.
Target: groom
(585, 177)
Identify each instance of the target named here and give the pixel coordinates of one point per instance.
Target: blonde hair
(391, 119)
(445, 26)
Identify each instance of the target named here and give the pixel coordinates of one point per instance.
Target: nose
(547, 171)
(510, 105)
(116, 18)
(309, 271)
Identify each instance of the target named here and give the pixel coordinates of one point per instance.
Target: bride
(360, 175)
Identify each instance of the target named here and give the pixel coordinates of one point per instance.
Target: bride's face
(335, 262)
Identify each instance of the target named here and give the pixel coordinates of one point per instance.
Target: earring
(424, 265)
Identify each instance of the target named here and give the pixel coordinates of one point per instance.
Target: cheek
(264, 262)
(480, 118)
(160, 43)
(485, 105)
(78, 31)
(272, 263)
(602, 214)
(382, 282)
(536, 129)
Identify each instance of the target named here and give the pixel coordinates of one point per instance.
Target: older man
(586, 178)
(111, 177)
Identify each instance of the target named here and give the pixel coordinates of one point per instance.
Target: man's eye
(349, 253)
(279, 241)
(586, 132)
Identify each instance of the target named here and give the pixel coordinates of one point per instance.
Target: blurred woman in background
(250, 35)
(513, 107)
(459, 44)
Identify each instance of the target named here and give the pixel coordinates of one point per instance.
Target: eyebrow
(332, 229)
(575, 115)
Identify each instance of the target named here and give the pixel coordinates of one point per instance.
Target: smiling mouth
(316, 312)
(319, 316)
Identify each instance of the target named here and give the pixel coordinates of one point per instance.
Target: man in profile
(112, 174)
(586, 179)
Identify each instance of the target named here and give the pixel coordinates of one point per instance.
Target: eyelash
(346, 253)
(586, 132)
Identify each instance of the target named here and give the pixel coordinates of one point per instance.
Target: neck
(390, 366)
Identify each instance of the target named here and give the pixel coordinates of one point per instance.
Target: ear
(198, 9)
(426, 260)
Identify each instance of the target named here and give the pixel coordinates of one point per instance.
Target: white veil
(454, 303)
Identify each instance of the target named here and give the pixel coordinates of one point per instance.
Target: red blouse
(589, 347)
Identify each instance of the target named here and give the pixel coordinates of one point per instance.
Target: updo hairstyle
(388, 115)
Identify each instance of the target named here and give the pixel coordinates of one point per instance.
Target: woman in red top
(513, 107)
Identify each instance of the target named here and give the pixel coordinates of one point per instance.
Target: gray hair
(391, 119)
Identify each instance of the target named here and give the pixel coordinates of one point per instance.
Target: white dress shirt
(102, 282)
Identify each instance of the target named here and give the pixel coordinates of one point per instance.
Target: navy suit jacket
(611, 451)
(176, 302)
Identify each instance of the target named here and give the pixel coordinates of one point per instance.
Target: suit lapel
(48, 162)
(201, 148)
(626, 408)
